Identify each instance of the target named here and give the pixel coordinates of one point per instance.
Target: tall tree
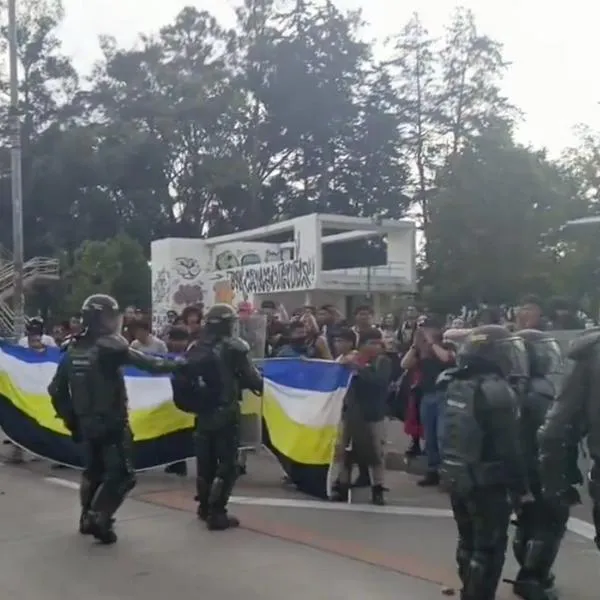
(414, 69)
(495, 203)
(48, 83)
(472, 67)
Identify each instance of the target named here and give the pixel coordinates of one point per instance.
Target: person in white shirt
(144, 341)
(35, 336)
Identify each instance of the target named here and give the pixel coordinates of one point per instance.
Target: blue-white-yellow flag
(301, 410)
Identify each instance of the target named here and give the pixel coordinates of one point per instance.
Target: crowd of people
(412, 347)
(478, 398)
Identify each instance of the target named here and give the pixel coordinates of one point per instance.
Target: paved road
(165, 553)
(289, 546)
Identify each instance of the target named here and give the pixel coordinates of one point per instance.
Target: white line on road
(72, 485)
(576, 526)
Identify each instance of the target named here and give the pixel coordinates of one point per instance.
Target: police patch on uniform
(479, 337)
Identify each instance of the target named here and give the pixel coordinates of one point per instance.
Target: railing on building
(36, 269)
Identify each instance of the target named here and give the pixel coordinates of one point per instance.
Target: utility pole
(15, 171)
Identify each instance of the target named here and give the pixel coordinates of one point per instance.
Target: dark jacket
(369, 388)
(574, 414)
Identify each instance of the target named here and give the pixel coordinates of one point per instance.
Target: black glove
(571, 496)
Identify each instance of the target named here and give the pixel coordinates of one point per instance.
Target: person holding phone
(431, 355)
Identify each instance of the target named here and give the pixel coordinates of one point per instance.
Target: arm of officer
(564, 426)
(60, 395)
(249, 376)
(156, 365)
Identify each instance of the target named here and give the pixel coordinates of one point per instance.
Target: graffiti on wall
(187, 268)
(229, 259)
(237, 285)
(160, 287)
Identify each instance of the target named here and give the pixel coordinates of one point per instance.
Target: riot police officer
(574, 414)
(220, 368)
(482, 463)
(88, 393)
(540, 525)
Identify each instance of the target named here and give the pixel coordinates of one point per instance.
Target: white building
(243, 267)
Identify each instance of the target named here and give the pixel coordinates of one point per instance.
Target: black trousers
(540, 528)
(216, 465)
(482, 518)
(108, 474)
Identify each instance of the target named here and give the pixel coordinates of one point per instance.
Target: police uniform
(540, 525)
(574, 415)
(220, 368)
(88, 393)
(481, 457)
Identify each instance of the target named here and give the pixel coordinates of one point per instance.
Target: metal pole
(15, 168)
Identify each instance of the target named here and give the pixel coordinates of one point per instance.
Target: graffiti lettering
(273, 277)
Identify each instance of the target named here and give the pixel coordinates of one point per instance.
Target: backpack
(462, 440)
(191, 394)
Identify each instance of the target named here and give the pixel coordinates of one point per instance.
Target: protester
(143, 340)
(430, 355)
(60, 331)
(366, 409)
(192, 318)
(34, 334)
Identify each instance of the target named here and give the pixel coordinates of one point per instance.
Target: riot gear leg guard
(87, 491)
(535, 580)
(222, 486)
(202, 494)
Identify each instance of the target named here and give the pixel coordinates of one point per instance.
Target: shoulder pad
(112, 343)
(584, 345)
(542, 387)
(237, 344)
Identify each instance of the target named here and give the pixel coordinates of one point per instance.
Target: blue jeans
(432, 413)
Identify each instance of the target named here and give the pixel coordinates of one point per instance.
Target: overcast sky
(554, 75)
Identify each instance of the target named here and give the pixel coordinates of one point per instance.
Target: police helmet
(100, 313)
(544, 352)
(221, 319)
(492, 348)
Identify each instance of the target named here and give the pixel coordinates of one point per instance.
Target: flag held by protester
(300, 412)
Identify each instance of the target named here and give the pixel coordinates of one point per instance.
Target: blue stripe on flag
(314, 375)
(318, 376)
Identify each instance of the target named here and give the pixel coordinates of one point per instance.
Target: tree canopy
(205, 129)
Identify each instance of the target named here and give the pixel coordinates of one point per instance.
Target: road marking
(577, 526)
(72, 485)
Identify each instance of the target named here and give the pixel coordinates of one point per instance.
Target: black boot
(221, 521)
(377, 495)
(531, 589)
(102, 528)
(85, 524)
(339, 492)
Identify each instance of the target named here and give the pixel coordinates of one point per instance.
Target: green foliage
(201, 129)
(116, 266)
